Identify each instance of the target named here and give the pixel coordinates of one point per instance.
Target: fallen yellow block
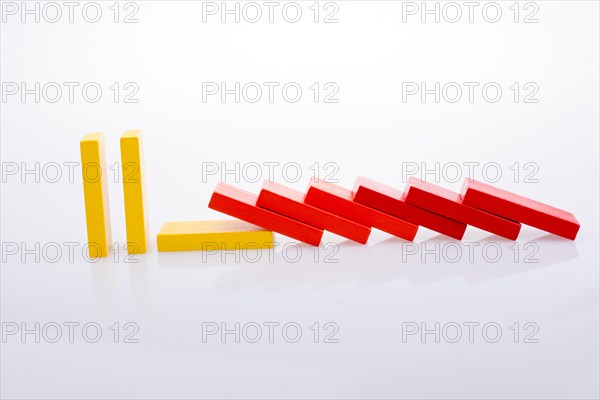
(132, 168)
(95, 193)
(212, 235)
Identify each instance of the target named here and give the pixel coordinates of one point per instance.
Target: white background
(370, 292)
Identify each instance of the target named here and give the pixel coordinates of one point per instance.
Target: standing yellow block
(134, 192)
(213, 235)
(95, 193)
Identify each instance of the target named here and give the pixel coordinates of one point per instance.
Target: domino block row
(353, 213)
(305, 216)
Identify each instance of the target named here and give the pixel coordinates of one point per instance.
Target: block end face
(272, 194)
(357, 185)
(364, 238)
(91, 145)
(466, 192)
(362, 185)
(361, 192)
(572, 232)
(132, 134)
(213, 202)
(93, 137)
(410, 195)
(459, 232)
(312, 195)
(315, 240)
(412, 233)
(130, 144)
(514, 235)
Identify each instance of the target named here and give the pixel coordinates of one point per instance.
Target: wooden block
(212, 235)
(445, 202)
(392, 201)
(290, 202)
(95, 192)
(242, 204)
(338, 200)
(132, 167)
(518, 208)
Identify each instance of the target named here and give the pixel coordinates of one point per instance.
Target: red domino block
(338, 200)
(391, 201)
(290, 202)
(518, 208)
(242, 204)
(445, 202)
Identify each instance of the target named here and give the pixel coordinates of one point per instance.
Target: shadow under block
(134, 192)
(338, 200)
(391, 201)
(445, 202)
(241, 204)
(95, 193)
(290, 202)
(518, 208)
(212, 235)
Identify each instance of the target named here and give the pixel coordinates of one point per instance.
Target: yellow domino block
(134, 192)
(95, 192)
(212, 235)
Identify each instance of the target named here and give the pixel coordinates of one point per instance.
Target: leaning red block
(241, 204)
(339, 201)
(518, 208)
(289, 202)
(391, 201)
(445, 202)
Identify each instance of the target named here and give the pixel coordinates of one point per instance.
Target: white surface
(372, 291)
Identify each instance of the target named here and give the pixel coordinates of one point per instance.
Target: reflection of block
(290, 202)
(338, 200)
(134, 192)
(242, 204)
(95, 192)
(518, 208)
(212, 235)
(442, 201)
(391, 201)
